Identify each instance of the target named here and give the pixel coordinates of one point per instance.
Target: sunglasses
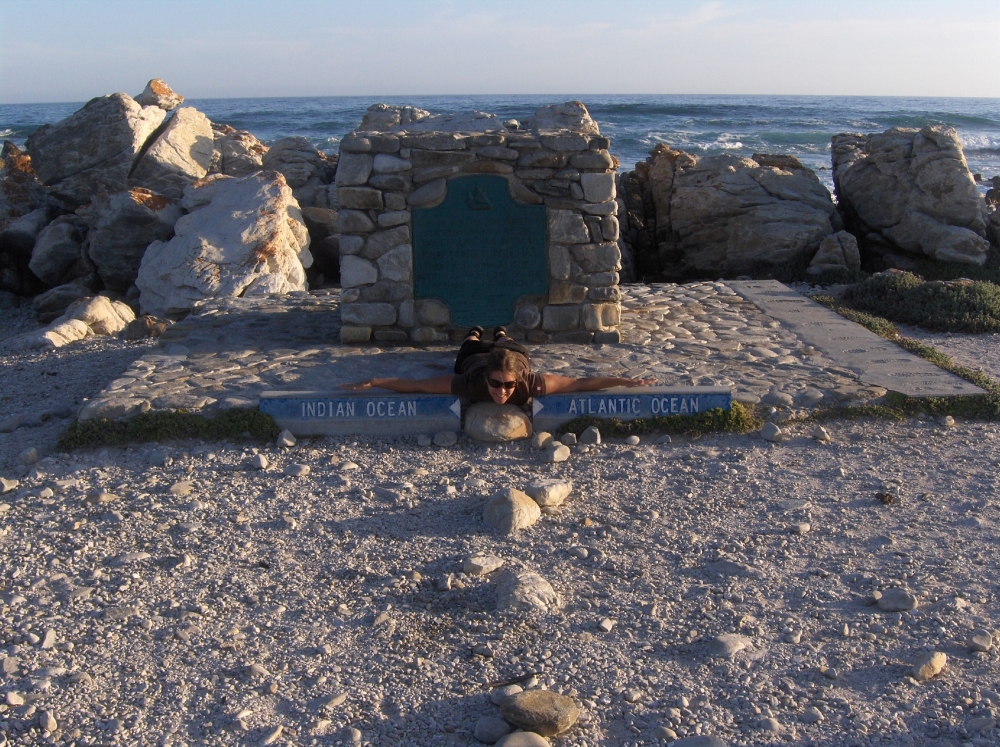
(507, 386)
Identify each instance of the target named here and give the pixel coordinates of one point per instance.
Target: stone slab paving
(228, 352)
(876, 361)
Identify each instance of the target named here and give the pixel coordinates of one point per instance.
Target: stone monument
(448, 221)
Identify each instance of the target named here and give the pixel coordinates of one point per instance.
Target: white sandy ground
(294, 575)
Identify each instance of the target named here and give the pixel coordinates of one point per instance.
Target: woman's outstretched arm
(434, 385)
(564, 384)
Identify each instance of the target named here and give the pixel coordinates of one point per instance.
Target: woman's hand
(358, 386)
(648, 381)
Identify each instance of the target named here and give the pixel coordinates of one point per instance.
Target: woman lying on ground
(497, 371)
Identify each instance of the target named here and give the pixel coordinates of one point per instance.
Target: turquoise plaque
(479, 251)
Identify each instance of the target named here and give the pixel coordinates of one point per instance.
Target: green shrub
(796, 271)
(944, 307)
(235, 425)
(932, 269)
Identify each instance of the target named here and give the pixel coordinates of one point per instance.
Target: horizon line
(525, 95)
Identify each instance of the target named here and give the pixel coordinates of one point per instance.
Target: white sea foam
(979, 142)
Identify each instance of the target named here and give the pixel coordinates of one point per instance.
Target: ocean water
(795, 125)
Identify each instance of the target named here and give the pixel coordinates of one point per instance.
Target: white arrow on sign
(456, 408)
(536, 407)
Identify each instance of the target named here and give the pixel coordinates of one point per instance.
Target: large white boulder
(122, 225)
(93, 149)
(180, 155)
(725, 214)
(101, 314)
(241, 237)
(86, 317)
(61, 332)
(911, 190)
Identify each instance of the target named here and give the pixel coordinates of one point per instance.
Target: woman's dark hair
(504, 360)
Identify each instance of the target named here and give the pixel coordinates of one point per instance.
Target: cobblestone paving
(229, 351)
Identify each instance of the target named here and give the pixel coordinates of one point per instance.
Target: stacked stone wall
(383, 176)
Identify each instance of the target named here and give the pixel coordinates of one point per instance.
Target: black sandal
(500, 332)
(477, 331)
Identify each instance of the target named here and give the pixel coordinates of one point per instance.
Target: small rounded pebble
(559, 454)
(445, 439)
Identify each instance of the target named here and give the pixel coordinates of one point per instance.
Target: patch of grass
(740, 419)
(945, 307)
(234, 425)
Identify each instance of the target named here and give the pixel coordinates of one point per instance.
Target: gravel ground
(173, 594)
(45, 388)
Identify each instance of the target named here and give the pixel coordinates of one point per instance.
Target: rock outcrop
(837, 252)
(93, 149)
(240, 237)
(388, 118)
(122, 225)
(306, 170)
(53, 303)
(24, 211)
(571, 115)
(910, 190)
(724, 214)
(20, 190)
(158, 93)
(235, 152)
(180, 155)
(58, 256)
(20, 235)
(324, 236)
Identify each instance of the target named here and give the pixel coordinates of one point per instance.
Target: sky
(72, 50)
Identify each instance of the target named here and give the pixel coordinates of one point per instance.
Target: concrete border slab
(877, 362)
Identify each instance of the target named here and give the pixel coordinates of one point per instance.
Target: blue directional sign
(344, 413)
(628, 403)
